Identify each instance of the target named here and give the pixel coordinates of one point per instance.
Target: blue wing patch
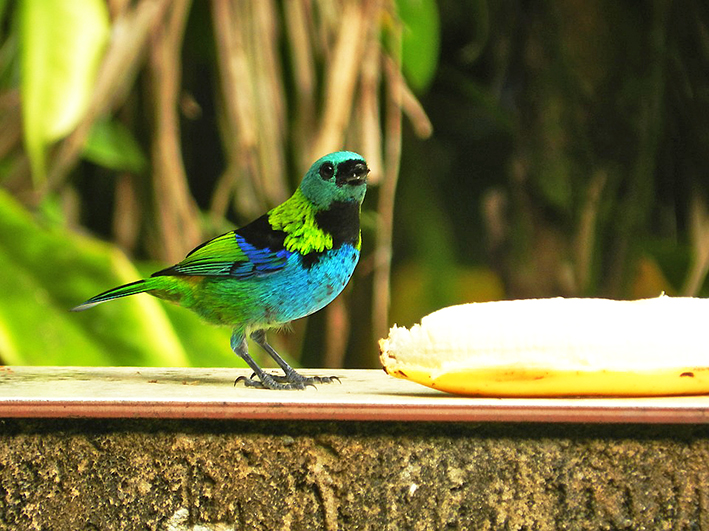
(229, 255)
(259, 261)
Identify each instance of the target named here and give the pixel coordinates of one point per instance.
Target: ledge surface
(363, 395)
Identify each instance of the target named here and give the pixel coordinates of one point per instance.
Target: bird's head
(339, 176)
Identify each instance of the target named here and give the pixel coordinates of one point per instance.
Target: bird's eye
(327, 170)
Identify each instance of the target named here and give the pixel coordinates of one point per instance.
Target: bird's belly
(277, 298)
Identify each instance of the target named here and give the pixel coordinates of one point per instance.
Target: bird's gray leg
(265, 380)
(291, 376)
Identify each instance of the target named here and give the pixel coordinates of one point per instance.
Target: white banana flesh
(557, 347)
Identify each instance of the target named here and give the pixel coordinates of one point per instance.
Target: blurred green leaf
(33, 329)
(61, 45)
(47, 271)
(421, 41)
(111, 145)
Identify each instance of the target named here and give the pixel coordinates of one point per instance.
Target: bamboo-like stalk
(177, 213)
(699, 230)
(343, 70)
(385, 209)
(411, 106)
(239, 124)
(368, 110)
(270, 100)
(586, 234)
(298, 19)
(336, 333)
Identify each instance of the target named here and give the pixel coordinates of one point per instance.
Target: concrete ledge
(226, 472)
(125, 392)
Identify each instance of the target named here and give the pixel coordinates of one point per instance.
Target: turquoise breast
(301, 291)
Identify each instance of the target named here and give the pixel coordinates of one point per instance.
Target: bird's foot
(268, 381)
(291, 381)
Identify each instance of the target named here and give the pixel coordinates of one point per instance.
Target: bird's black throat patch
(341, 221)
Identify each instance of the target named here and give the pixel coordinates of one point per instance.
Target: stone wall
(220, 475)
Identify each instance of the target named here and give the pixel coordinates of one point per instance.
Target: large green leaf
(46, 271)
(420, 41)
(62, 43)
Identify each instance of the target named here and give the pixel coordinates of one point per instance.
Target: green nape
(296, 217)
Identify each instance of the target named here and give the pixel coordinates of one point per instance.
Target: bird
(287, 264)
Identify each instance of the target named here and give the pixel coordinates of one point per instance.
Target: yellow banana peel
(557, 347)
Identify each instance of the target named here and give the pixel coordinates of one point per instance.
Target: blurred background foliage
(518, 149)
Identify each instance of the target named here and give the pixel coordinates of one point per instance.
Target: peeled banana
(557, 347)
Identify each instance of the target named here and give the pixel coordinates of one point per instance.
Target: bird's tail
(121, 291)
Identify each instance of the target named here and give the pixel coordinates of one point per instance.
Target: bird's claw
(249, 382)
(324, 379)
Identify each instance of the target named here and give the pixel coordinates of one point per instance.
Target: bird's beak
(358, 174)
